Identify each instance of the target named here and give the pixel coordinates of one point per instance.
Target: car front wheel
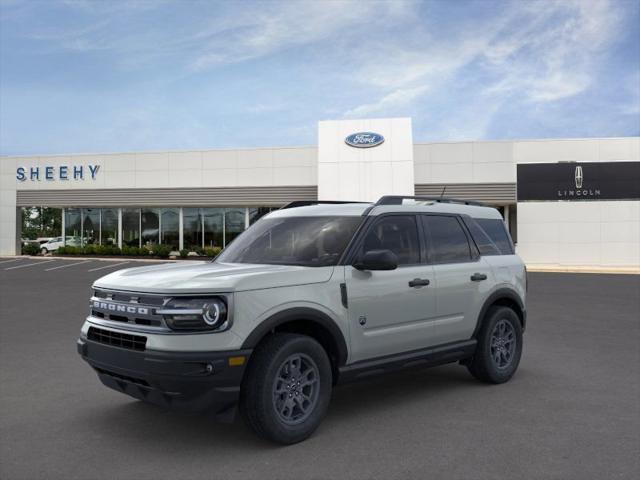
(286, 390)
(44, 251)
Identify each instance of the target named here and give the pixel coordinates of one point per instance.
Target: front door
(391, 311)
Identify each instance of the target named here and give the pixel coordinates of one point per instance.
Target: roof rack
(397, 200)
(306, 203)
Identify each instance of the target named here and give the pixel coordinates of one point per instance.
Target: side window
(397, 233)
(497, 231)
(448, 242)
(483, 241)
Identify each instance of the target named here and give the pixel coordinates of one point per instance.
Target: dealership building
(566, 202)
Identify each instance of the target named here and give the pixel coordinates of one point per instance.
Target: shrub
(31, 249)
(162, 251)
(212, 252)
(89, 250)
(112, 250)
(183, 253)
(68, 250)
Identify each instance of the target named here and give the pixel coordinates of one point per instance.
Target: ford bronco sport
(311, 295)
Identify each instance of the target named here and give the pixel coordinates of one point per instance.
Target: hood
(207, 277)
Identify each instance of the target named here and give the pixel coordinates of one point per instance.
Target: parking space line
(65, 266)
(9, 261)
(30, 264)
(106, 266)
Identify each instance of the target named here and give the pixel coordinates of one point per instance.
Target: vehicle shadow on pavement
(149, 426)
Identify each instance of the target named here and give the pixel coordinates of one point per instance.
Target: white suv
(310, 296)
(55, 243)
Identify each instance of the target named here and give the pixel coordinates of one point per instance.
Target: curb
(596, 270)
(98, 259)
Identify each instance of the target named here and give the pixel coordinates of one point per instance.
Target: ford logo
(364, 139)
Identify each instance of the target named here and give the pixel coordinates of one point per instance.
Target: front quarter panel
(254, 307)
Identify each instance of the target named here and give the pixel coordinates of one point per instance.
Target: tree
(41, 222)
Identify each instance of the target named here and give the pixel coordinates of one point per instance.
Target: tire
(497, 358)
(275, 409)
(44, 251)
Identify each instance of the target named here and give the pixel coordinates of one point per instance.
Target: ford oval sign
(364, 139)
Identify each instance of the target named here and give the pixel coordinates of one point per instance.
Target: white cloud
(538, 51)
(396, 99)
(289, 25)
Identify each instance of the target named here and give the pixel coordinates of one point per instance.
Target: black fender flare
(500, 294)
(304, 314)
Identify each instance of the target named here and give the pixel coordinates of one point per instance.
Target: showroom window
(191, 228)
(234, 223)
(109, 226)
(213, 219)
(72, 226)
(150, 223)
(170, 227)
(90, 226)
(131, 227)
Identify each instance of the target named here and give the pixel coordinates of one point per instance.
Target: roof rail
(397, 200)
(306, 203)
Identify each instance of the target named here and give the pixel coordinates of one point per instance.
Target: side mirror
(377, 260)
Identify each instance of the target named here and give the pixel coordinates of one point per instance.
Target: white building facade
(567, 202)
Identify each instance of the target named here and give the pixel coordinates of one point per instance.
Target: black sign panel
(579, 181)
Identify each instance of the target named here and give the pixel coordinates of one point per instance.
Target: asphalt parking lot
(571, 411)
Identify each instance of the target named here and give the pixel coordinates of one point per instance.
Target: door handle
(477, 277)
(418, 282)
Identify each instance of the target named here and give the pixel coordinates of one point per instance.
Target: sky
(83, 76)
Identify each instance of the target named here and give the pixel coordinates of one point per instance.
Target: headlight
(196, 314)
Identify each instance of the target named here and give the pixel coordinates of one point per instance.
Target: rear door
(462, 277)
(391, 311)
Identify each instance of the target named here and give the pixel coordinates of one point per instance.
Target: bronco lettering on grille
(118, 307)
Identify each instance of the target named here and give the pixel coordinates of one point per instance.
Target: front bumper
(192, 381)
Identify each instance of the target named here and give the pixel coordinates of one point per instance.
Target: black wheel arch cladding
(307, 321)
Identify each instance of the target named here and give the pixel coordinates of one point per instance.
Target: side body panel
(386, 315)
(459, 299)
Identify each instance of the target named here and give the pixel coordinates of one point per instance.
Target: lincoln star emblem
(579, 177)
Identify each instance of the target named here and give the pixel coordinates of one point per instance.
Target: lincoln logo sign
(61, 172)
(569, 181)
(364, 139)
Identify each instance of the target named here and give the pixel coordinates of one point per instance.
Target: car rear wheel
(499, 346)
(287, 387)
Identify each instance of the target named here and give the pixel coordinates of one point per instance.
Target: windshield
(305, 241)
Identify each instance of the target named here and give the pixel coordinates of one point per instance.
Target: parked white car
(56, 242)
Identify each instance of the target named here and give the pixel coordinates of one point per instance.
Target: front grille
(131, 308)
(117, 339)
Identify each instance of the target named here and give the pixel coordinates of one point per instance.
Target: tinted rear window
(497, 232)
(447, 240)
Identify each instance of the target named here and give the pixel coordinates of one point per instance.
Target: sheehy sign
(60, 172)
(575, 181)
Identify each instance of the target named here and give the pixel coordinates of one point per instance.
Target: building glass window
(131, 227)
(109, 226)
(213, 227)
(255, 213)
(150, 220)
(192, 228)
(90, 226)
(234, 222)
(72, 226)
(170, 227)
